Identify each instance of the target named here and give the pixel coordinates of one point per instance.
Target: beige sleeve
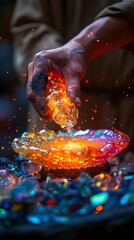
(32, 32)
(123, 8)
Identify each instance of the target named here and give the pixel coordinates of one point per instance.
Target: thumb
(74, 90)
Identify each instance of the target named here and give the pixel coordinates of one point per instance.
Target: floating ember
(74, 150)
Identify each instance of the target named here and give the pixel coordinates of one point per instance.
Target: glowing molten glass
(60, 107)
(70, 150)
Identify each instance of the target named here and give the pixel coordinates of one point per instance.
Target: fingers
(60, 64)
(74, 90)
(30, 93)
(36, 92)
(36, 85)
(74, 73)
(38, 72)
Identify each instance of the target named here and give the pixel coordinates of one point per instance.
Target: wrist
(76, 47)
(87, 41)
(96, 39)
(104, 35)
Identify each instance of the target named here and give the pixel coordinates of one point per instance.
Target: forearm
(104, 35)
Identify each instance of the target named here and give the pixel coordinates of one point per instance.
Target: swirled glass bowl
(70, 150)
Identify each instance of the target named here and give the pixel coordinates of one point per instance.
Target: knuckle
(37, 56)
(39, 64)
(31, 97)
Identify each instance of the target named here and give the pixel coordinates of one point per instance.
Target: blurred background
(13, 100)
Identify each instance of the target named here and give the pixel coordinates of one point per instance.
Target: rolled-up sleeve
(121, 8)
(125, 7)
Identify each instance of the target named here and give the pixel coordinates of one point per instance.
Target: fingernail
(78, 100)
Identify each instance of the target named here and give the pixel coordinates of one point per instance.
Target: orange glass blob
(63, 111)
(70, 150)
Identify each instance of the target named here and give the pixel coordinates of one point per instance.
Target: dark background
(13, 122)
(13, 99)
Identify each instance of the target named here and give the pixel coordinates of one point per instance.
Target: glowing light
(98, 184)
(60, 107)
(3, 212)
(99, 208)
(95, 111)
(99, 198)
(116, 187)
(101, 175)
(68, 150)
(124, 199)
(24, 74)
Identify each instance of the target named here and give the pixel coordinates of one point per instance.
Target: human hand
(69, 62)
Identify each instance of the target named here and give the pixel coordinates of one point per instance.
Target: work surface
(100, 207)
